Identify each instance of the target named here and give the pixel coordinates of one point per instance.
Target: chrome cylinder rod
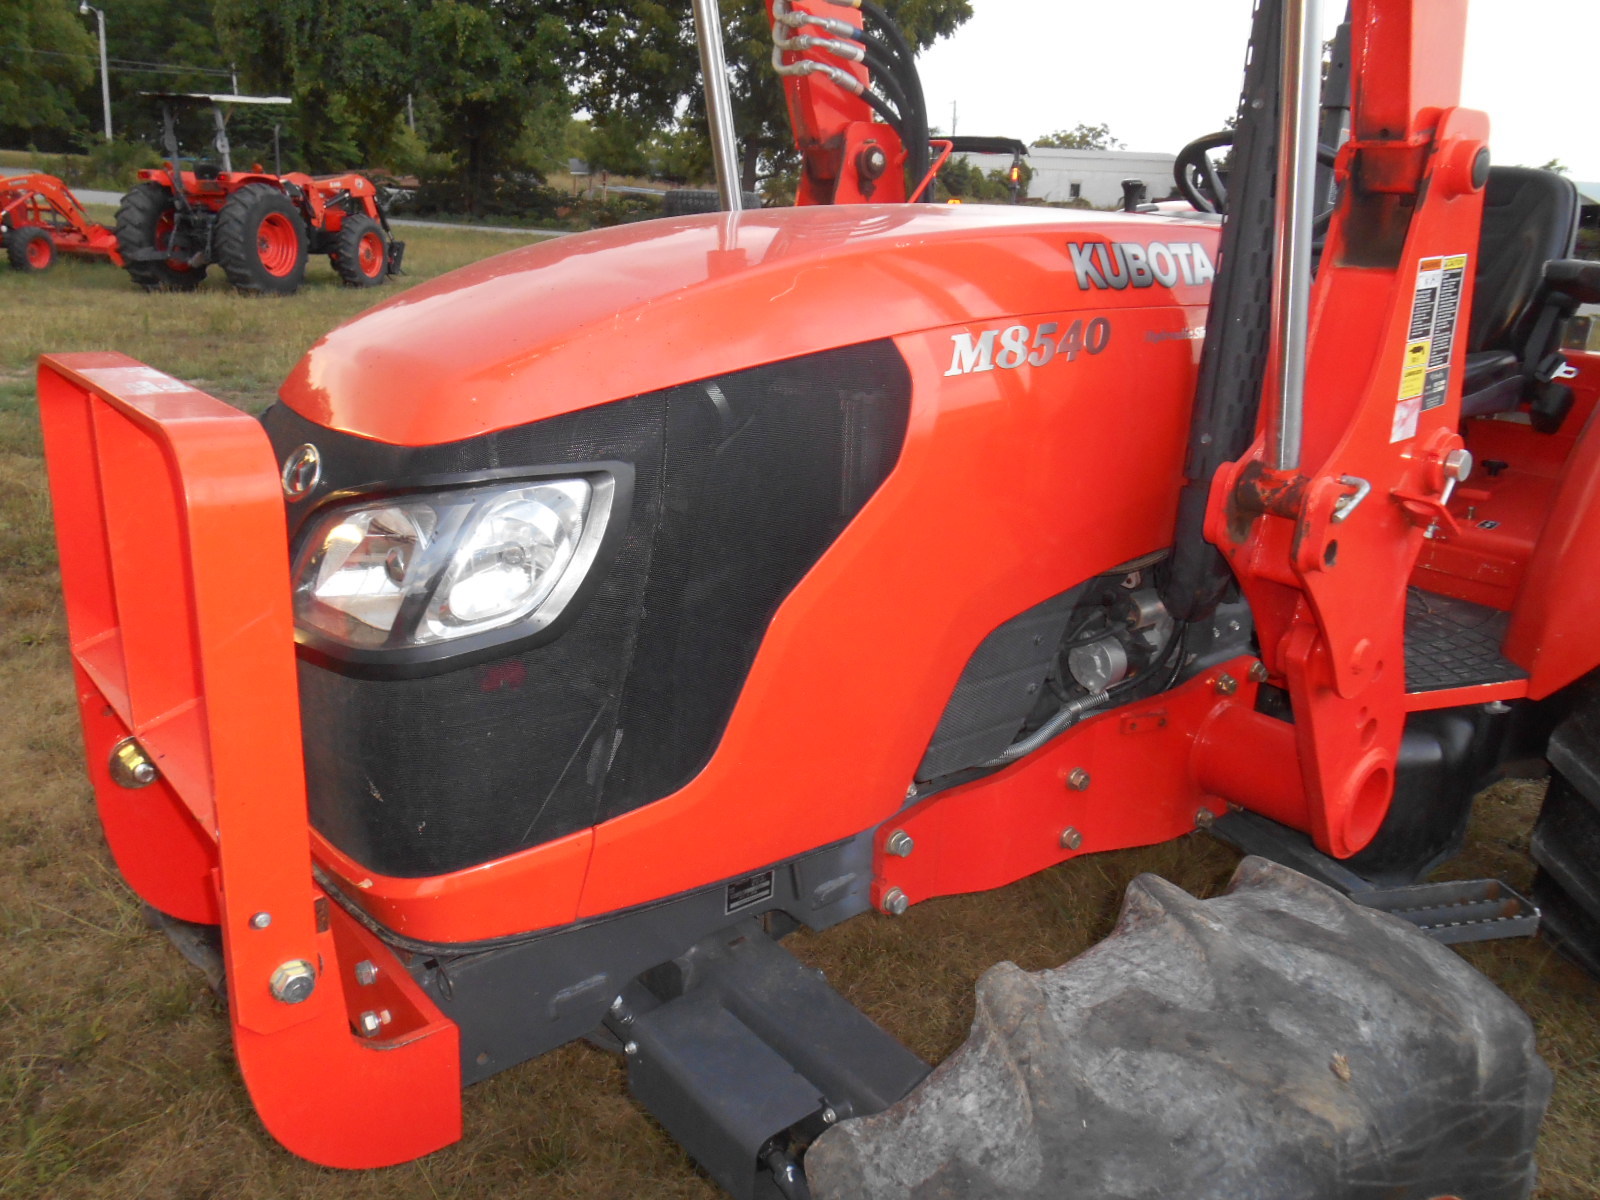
(1299, 87)
(719, 102)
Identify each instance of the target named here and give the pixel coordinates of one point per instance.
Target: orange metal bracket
(172, 541)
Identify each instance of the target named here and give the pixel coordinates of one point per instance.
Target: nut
(1226, 684)
(372, 1023)
(894, 902)
(1071, 839)
(293, 981)
(1258, 672)
(366, 972)
(899, 844)
(131, 767)
(1078, 779)
(1204, 818)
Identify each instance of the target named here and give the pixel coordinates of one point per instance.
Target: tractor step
(745, 1055)
(1453, 643)
(1474, 910)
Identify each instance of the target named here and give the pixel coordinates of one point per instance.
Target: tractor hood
(589, 318)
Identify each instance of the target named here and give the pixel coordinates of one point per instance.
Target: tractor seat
(1530, 218)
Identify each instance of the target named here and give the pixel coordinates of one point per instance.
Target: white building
(1094, 176)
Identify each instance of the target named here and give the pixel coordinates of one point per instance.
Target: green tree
(1081, 137)
(47, 55)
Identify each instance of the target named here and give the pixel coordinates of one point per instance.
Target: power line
(131, 65)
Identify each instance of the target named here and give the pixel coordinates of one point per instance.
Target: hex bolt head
(366, 972)
(131, 767)
(1258, 672)
(1078, 779)
(829, 1117)
(894, 902)
(911, 792)
(1226, 684)
(293, 981)
(899, 844)
(370, 1024)
(261, 920)
(1204, 818)
(631, 1048)
(1071, 839)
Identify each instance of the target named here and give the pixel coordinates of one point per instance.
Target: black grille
(741, 483)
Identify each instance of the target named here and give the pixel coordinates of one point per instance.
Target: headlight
(428, 574)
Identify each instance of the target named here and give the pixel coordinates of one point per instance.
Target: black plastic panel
(740, 485)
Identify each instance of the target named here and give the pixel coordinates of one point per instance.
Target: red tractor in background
(259, 227)
(40, 218)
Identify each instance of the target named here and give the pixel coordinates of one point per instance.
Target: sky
(1162, 72)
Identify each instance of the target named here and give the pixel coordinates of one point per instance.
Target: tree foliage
(47, 55)
(1081, 137)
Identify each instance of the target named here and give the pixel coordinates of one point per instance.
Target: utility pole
(952, 118)
(84, 9)
(411, 114)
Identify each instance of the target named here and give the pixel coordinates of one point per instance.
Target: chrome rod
(719, 102)
(1299, 90)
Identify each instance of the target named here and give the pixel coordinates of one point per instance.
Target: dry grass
(116, 1073)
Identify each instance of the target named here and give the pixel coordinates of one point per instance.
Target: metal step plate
(1471, 910)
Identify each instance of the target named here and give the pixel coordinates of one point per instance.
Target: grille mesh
(741, 484)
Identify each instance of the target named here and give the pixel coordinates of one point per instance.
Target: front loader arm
(828, 63)
(1324, 549)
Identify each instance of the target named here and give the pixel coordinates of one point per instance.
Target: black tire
(31, 250)
(1566, 840)
(361, 252)
(145, 222)
(682, 202)
(260, 241)
(1277, 1041)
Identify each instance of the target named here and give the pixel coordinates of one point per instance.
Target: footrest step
(1471, 910)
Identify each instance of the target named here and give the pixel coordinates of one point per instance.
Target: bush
(111, 166)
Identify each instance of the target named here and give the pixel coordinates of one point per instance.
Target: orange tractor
(259, 227)
(40, 219)
(575, 629)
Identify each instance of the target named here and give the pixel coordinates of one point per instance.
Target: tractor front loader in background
(257, 226)
(578, 626)
(41, 219)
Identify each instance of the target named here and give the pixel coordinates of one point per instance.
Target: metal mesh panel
(741, 483)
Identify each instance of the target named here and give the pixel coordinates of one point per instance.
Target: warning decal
(1435, 315)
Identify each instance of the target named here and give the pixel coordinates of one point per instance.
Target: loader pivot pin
(293, 981)
(131, 766)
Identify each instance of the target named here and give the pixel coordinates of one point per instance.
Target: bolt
(894, 902)
(293, 981)
(911, 792)
(372, 1023)
(366, 972)
(1204, 818)
(1234, 627)
(1071, 839)
(899, 844)
(631, 1048)
(1258, 672)
(1497, 708)
(1226, 684)
(829, 1116)
(617, 1005)
(261, 920)
(1078, 779)
(131, 766)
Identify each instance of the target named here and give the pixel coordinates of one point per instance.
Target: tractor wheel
(1277, 1040)
(30, 249)
(1566, 839)
(147, 221)
(361, 252)
(261, 241)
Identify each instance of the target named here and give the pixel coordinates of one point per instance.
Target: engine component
(1099, 664)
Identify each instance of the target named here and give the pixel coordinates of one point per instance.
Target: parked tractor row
(175, 223)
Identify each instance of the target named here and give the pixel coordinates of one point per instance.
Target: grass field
(116, 1074)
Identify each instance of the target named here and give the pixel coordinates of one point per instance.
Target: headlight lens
(431, 568)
